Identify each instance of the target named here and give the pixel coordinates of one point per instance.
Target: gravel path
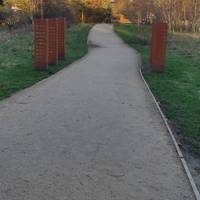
(91, 132)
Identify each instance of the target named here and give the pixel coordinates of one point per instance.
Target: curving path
(91, 132)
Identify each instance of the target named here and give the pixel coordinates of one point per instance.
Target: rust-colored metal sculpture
(61, 22)
(41, 43)
(52, 41)
(159, 45)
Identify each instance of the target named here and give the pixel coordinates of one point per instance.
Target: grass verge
(17, 59)
(178, 89)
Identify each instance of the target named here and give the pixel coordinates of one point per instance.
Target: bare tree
(181, 15)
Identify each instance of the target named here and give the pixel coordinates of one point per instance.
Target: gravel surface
(90, 132)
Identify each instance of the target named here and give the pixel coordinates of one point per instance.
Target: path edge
(44, 80)
(180, 154)
(40, 83)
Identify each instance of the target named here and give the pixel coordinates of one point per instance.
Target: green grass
(178, 89)
(17, 59)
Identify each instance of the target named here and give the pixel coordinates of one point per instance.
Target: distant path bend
(91, 132)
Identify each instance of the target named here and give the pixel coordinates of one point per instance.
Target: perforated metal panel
(159, 45)
(41, 43)
(61, 37)
(52, 41)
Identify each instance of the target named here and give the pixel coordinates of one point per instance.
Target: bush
(13, 19)
(98, 15)
(53, 9)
